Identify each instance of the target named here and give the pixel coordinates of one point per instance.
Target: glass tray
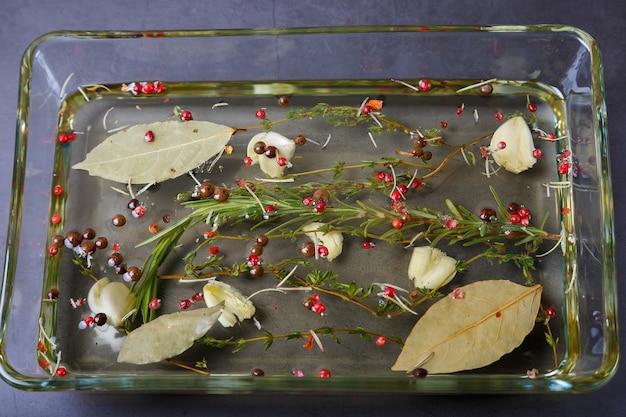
(82, 83)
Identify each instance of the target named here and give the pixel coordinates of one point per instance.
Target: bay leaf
(471, 327)
(178, 147)
(167, 335)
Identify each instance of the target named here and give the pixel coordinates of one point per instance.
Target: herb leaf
(178, 147)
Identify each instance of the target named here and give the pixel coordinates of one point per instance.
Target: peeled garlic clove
(431, 268)
(512, 146)
(285, 148)
(111, 298)
(236, 306)
(332, 240)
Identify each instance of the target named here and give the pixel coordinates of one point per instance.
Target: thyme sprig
(268, 338)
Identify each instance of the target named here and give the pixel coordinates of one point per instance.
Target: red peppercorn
(197, 297)
(367, 245)
(397, 224)
(532, 107)
(308, 201)
(389, 292)
(185, 304)
(58, 190)
(186, 115)
(324, 373)
(61, 371)
(537, 153)
(56, 219)
(282, 161)
(320, 206)
(498, 116)
(158, 87)
(323, 251)
(253, 260)
(381, 341)
(147, 88)
(425, 85)
(62, 138)
(443, 125)
(550, 312)
(416, 184)
(53, 250)
(515, 218)
(380, 176)
(396, 196)
(154, 304)
(523, 212)
(319, 308)
(459, 111)
(139, 211)
(214, 250)
(260, 114)
(149, 136)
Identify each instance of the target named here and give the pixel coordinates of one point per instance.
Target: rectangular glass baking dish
(67, 85)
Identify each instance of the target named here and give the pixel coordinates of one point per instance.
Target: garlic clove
(236, 306)
(286, 148)
(431, 268)
(111, 298)
(332, 240)
(512, 146)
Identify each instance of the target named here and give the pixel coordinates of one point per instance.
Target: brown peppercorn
(271, 151)
(427, 156)
(73, 239)
(406, 218)
(58, 240)
(256, 250)
(101, 242)
(89, 233)
(259, 148)
(300, 140)
(206, 189)
(133, 273)
(221, 194)
(133, 204)
(420, 143)
(487, 214)
(261, 240)
(486, 89)
(52, 294)
(87, 247)
(100, 319)
(118, 220)
(257, 271)
(513, 207)
(308, 249)
(283, 101)
(417, 152)
(115, 259)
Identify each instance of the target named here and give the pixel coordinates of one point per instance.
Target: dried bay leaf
(178, 147)
(490, 319)
(167, 335)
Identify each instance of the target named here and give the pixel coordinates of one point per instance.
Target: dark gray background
(23, 21)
